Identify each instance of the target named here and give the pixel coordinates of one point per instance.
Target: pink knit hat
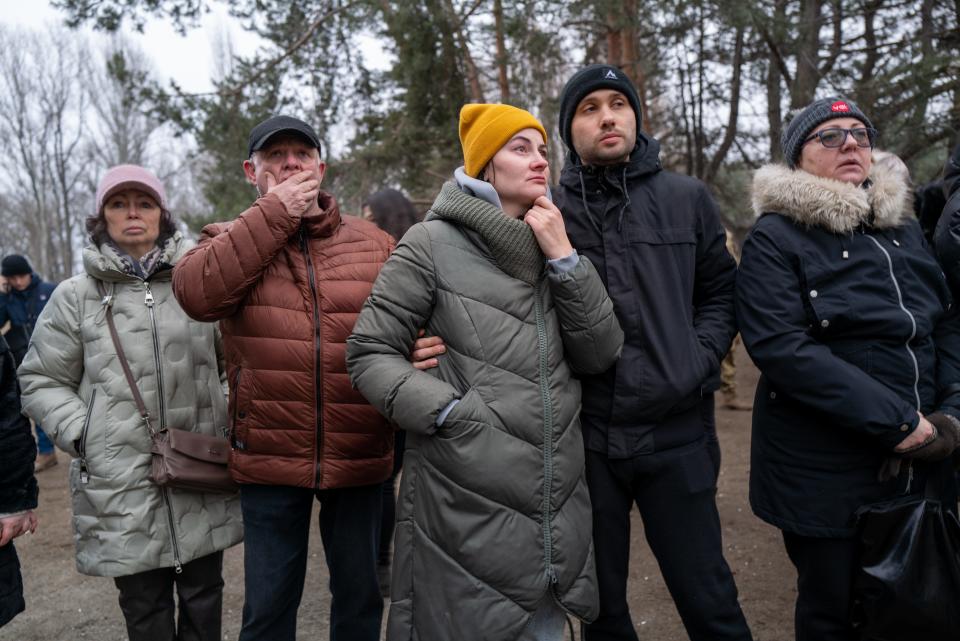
(130, 177)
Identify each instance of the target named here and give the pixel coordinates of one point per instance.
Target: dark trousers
(388, 514)
(11, 584)
(146, 600)
(825, 571)
(675, 493)
(276, 521)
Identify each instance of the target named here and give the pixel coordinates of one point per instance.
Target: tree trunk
(731, 133)
(773, 82)
(472, 73)
(502, 77)
(808, 54)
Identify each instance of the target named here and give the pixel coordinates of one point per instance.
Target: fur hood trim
(836, 206)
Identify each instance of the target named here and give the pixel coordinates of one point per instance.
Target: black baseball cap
(274, 125)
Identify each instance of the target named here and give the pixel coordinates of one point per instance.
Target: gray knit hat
(811, 117)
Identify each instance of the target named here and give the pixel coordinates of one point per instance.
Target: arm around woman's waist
(592, 337)
(378, 351)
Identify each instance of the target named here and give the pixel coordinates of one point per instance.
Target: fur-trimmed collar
(836, 206)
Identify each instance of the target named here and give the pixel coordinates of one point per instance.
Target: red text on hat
(839, 106)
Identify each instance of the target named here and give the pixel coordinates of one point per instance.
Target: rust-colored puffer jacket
(287, 293)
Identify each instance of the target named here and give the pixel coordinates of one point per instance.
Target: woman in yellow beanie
(493, 536)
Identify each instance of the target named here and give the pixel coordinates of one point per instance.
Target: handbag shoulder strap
(107, 302)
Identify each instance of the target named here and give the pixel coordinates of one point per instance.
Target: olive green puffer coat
(494, 513)
(74, 385)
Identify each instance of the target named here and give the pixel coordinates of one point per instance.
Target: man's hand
(547, 224)
(425, 351)
(297, 193)
(13, 526)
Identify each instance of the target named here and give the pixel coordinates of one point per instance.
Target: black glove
(943, 443)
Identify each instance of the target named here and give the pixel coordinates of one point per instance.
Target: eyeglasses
(835, 136)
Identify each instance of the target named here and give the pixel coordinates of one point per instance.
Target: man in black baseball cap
(263, 132)
(287, 279)
(648, 422)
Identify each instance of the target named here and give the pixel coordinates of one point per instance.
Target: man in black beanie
(648, 423)
(23, 295)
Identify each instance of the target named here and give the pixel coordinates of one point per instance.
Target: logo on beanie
(840, 106)
(611, 75)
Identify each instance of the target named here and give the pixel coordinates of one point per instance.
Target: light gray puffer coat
(490, 521)
(74, 385)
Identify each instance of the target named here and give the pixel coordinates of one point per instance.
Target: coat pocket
(464, 417)
(825, 299)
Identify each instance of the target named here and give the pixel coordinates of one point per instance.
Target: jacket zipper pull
(148, 297)
(84, 476)
(177, 568)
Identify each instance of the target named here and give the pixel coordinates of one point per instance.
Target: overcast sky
(187, 60)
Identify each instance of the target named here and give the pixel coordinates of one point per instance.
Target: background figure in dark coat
(648, 421)
(18, 487)
(23, 295)
(392, 212)
(845, 312)
(946, 238)
(928, 202)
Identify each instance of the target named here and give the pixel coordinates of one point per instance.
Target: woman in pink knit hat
(152, 540)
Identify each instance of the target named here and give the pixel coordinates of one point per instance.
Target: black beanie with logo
(586, 81)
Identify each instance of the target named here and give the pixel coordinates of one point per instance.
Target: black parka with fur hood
(845, 312)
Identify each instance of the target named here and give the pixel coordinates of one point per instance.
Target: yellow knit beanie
(484, 129)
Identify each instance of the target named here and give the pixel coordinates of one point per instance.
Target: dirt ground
(63, 605)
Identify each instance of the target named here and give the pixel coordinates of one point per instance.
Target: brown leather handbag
(181, 459)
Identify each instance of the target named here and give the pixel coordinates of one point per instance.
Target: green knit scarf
(510, 241)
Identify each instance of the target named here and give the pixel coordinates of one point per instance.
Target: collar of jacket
(105, 263)
(884, 201)
(325, 222)
(510, 241)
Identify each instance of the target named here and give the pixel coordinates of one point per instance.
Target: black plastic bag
(907, 586)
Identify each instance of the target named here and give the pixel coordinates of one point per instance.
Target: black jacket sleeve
(946, 240)
(773, 325)
(18, 487)
(714, 317)
(946, 336)
(951, 174)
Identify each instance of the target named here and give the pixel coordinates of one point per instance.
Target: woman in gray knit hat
(493, 535)
(844, 311)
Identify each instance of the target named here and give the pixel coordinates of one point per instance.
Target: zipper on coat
(547, 435)
(913, 321)
(148, 301)
(82, 443)
(317, 357)
(237, 443)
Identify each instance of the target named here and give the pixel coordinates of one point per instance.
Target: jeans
(675, 493)
(276, 522)
(44, 444)
(146, 600)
